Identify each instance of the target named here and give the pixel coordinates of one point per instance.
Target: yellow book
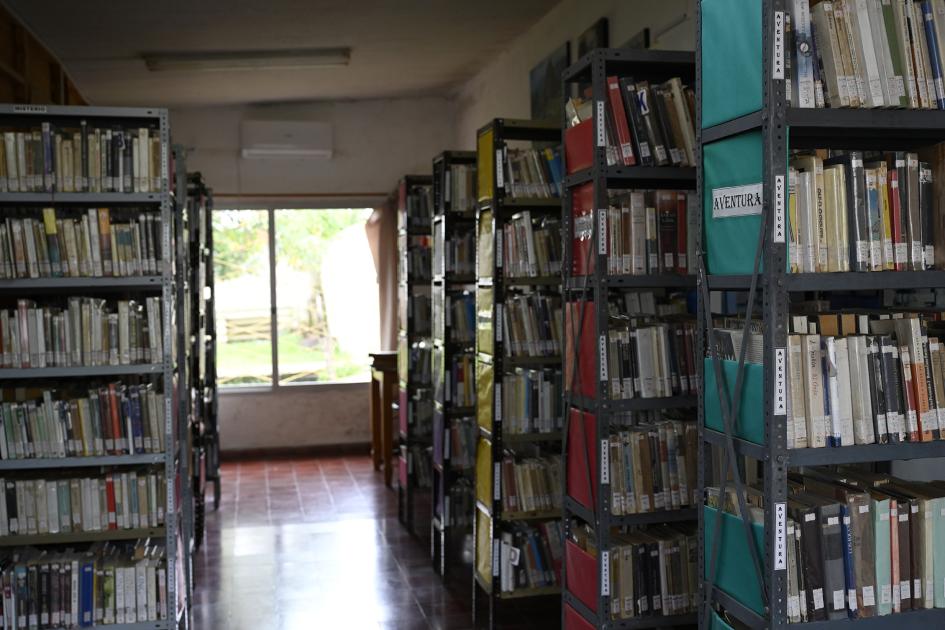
(485, 163)
(484, 472)
(889, 260)
(838, 254)
(793, 246)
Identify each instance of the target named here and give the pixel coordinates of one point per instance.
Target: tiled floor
(315, 544)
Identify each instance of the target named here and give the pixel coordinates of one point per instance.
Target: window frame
(273, 387)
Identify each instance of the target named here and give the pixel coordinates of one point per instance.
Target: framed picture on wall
(545, 85)
(597, 36)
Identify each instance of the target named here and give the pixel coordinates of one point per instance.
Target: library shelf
(82, 198)
(45, 463)
(840, 281)
(81, 537)
(123, 283)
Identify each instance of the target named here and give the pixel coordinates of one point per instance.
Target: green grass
(254, 360)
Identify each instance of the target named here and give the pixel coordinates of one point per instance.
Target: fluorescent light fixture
(217, 61)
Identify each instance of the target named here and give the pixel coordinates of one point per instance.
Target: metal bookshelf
(29, 116)
(446, 537)
(411, 284)
(781, 128)
(596, 288)
(495, 208)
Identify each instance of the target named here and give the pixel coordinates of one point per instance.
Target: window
(316, 268)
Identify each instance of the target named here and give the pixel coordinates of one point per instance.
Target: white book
(866, 53)
(828, 47)
(877, 24)
(814, 388)
(52, 505)
(803, 58)
(12, 164)
(119, 594)
(806, 211)
(844, 410)
(42, 506)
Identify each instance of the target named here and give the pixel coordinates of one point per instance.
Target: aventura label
(736, 201)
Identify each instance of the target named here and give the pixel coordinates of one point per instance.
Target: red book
(582, 342)
(582, 458)
(895, 205)
(582, 235)
(620, 121)
(110, 499)
(682, 237)
(579, 146)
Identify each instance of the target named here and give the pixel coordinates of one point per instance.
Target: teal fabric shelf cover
(749, 425)
(731, 59)
(735, 573)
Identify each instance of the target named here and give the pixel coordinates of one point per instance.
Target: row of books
(534, 325)
(530, 556)
(417, 209)
(647, 232)
(81, 159)
(418, 307)
(532, 401)
(114, 500)
(461, 438)
(531, 173)
(653, 572)
(861, 212)
(420, 465)
(531, 247)
(648, 125)
(114, 419)
(417, 258)
(87, 332)
(649, 359)
(58, 244)
(459, 190)
(460, 504)
(418, 358)
(859, 544)
(420, 410)
(459, 317)
(457, 256)
(459, 381)
(110, 583)
(532, 484)
(850, 53)
(856, 379)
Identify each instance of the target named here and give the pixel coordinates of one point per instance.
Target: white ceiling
(399, 47)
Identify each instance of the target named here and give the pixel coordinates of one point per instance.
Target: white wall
(375, 142)
(295, 417)
(501, 88)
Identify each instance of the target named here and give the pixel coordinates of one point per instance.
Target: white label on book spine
(603, 357)
(869, 597)
(777, 58)
(737, 201)
(601, 136)
(497, 481)
(514, 555)
(499, 169)
(905, 591)
(818, 598)
(839, 603)
(780, 382)
(602, 231)
(780, 224)
(605, 573)
(885, 594)
(780, 536)
(604, 462)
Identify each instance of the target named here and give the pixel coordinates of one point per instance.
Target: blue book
(846, 535)
(134, 403)
(928, 18)
(87, 594)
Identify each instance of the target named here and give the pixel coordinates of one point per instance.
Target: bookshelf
(762, 110)
(594, 411)
(495, 291)
(415, 404)
(163, 284)
(454, 223)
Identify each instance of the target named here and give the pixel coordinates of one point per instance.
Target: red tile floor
(307, 544)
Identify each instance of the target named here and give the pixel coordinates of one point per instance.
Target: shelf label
(780, 226)
(601, 136)
(447, 440)
(603, 357)
(498, 323)
(498, 249)
(446, 185)
(605, 573)
(445, 517)
(602, 231)
(780, 536)
(604, 462)
(737, 201)
(780, 382)
(495, 557)
(498, 402)
(777, 56)
(29, 109)
(497, 481)
(499, 169)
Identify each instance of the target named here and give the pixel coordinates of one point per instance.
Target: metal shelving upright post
(164, 284)
(782, 127)
(449, 222)
(414, 237)
(586, 442)
(495, 209)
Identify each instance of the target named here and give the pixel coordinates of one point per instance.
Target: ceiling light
(215, 61)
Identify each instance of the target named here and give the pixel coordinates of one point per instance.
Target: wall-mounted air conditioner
(281, 139)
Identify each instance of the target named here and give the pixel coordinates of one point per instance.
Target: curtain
(381, 228)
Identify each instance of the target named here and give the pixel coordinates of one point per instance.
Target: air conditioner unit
(280, 139)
